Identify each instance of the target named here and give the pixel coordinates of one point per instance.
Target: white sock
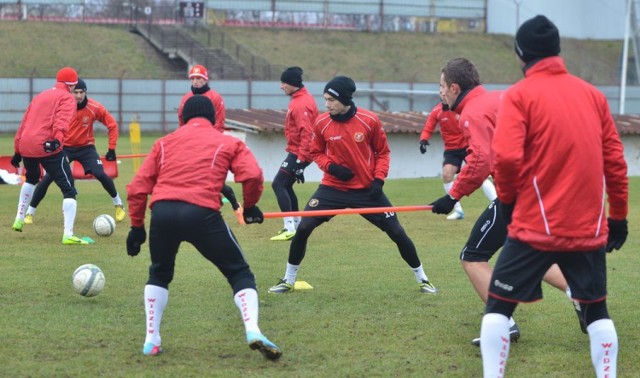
(247, 302)
(568, 291)
(69, 206)
(296, 221)
(116, 200)
(511, 322)
(291, 273)
(457, 207)
(604, 347)
(494, 344)
(289, 224)
(26, 192)
(155, 301)
(31, 210)
(489, 190)
(420, 274)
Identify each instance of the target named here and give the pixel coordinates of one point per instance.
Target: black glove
(111, 155)
(443, 205)
(15, 160)
(506, 210)
(253, 215)
(618, 232)
(375, 191)
(51, 145)
(137, 236)
(342, 173)
(299, 171)
(423, 146)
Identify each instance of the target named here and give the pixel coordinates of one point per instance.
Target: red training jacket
(298, 125)
(451, 133)
(218, 107)
(80, 131)
(359, 144)
(478, 111)
(191, 165)
(47, 117)
(558, 157)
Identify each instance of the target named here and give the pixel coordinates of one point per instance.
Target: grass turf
(364, 317)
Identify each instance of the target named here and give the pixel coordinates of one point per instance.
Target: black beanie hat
(537, 38)
(292, 76)
(81, 85)
(198, 106)
(341, 88)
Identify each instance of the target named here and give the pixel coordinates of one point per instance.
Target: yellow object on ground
(302, 285)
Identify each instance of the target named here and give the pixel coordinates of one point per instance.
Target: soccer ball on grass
(104, 225)
(88, 280)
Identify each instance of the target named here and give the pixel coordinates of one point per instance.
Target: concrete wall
(154, 103)
(406, 160)
(144, 98)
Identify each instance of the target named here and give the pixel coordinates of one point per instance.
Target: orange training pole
(364, 210)
(131, 156)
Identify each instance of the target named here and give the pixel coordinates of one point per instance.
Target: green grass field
(364, 317)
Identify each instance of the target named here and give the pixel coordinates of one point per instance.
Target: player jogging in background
(455, 151)
(38, 142)
(556, 172)
(199, 77)
(301, 115)
(80, 145)
(350, 146)
(187, 210)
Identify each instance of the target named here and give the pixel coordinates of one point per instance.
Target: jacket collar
(553, 65)
(299, 92)
(468, 96)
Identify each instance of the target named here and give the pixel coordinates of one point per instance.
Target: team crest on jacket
(358, 137)
(313, 202)
(85, 121)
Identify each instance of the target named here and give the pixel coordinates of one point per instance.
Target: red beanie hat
(198, 71)
(67, 75)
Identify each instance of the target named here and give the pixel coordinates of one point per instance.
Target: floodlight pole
(517, 2)
(625, 58)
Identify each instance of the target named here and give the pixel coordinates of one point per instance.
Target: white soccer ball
(88, 280)
(104, 225)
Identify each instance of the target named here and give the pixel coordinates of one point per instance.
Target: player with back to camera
(301, 115)
(350, 146)
(199, 77)
(79, 145)
(555, 173)
(38, 142)
(186, 210)
(455, 150)
(462, 90)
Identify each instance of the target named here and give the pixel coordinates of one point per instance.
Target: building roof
(272, 121)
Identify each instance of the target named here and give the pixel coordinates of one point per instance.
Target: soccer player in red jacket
(460, 86)
(80, 145)
(39, 141)
(301, 115)
(350, 146)
(199, 77)
(555, 173)
(455, 151)
(185, 207)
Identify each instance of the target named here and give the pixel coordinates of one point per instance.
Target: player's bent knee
(155, 281)
(594, 311)
(241, 280)
(496, 306)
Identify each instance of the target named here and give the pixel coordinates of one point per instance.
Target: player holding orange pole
(350, 146)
